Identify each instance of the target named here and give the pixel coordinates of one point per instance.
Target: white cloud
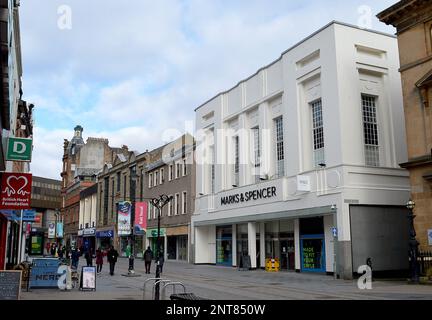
(129, 70)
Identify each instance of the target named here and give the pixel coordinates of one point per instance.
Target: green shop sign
(152, 233)
(19, 149)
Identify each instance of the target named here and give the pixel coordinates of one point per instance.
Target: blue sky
(128, 70)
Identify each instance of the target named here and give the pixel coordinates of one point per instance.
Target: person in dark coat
(148, 257)
(89, 257)
(60, 252)
(112, 259)
(99, 260)
(160, 261)
(75, 257)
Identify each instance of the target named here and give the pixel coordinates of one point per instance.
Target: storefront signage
(430, 237)
(80, 233)
(140, 218)
(59, 230)
(105, 234)
(51, 230)
(19, 149)
(29, 215)
(303, 183)
(15, 190)
(257, 194)
(153, 233)
(89, 232)
(124, 218)
(44, 273)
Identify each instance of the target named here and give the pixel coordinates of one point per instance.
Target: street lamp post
(413, 245)
(133, 179)
(159, 203)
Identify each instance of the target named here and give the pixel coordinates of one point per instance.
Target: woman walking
(99, 260)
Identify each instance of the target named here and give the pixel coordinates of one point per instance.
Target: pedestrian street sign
(19, 149)
(334, 231)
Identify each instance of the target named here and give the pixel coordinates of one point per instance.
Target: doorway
(287, 257)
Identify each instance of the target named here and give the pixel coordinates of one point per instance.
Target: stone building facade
(413, 21)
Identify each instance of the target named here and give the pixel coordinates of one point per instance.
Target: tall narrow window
(236, 179)
(177, 204)
(171, 207)
(212, 170)
(155, 178)
(318, 133)
(257, 152)
(184, 167)
(150, 180)
(278, 124)
(118, 182)
(170, 173)
(161, 176)
(149, 211)
(184, 208)
(177, 170)
(370, 131)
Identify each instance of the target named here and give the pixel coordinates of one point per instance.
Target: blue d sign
(334, 231)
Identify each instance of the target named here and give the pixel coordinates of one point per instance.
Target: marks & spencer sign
(252, 195)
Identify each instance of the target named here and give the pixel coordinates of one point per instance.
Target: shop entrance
(287, 256)
(224, 245)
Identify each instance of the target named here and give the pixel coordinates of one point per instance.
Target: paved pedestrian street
(224, 283)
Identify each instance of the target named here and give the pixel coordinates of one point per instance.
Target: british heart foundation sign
(15, 190)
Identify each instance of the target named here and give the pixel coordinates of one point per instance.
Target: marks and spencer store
(300, 161)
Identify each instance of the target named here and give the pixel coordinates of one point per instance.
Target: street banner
(19, 149)
(15, 190)
(59, 230)
(124, 218)
(51, 230)
(140, 218)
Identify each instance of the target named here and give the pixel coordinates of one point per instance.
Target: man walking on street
(148, 257)
(112, 259)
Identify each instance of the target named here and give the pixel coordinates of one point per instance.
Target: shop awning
(11, 215)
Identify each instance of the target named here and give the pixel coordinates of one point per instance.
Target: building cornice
(406, 13)
(418, 161)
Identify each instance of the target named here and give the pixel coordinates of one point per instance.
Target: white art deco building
(299, 162)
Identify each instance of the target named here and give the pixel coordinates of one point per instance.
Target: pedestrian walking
(160, 261)
(112, 259)
(53, 249)
(60, 252)
(99, 260)
(89, 257)
(148, 257)
(75, 257)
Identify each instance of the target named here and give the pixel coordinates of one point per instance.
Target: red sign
(15, 190)
(140, 217)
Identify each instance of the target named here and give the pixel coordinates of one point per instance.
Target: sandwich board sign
(19, 149)
(10, 284)
(88, 279)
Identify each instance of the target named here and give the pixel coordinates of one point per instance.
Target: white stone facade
(330, 137)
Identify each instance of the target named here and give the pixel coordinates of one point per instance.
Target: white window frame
(150, 182)
(184, 168)
(149, 211)
(170, 207)
(184, 202)
(176, 204)
(155, 176)
(236, 168)
(170, 172)
(177, 170)
(371, 130)
(279, 147)
(161, 176)
(317, 126)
